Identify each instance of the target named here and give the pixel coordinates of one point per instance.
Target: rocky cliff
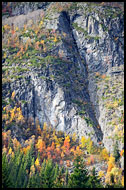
(65, 65)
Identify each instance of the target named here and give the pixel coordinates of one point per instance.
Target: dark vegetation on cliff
(62, 95)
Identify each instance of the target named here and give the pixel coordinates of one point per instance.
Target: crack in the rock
(65, 16)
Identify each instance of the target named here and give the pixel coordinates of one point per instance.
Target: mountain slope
(65, 64)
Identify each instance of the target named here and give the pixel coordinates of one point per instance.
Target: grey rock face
(69, 102)
(98, 41)
(23, 8)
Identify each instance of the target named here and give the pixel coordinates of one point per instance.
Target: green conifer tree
(6, 181)
(66, 177)
(93, 181)
(79, 177)
(59, 182)
(56, 172)
(49, 175)
(14, 167)
(21, 177)
(37, 180)
(116, 152)
(42, 171)
(31, 182)
(28, 160)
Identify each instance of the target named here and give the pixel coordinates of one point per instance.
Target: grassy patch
(80, 29)
(89, 121)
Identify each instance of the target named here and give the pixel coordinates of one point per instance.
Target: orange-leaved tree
(16, 144)
(66, 145)
(104, 154)
(111, 163)
(41, 145)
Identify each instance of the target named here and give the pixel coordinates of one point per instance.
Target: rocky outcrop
(68, 88)
(99, 38)
(10, 9)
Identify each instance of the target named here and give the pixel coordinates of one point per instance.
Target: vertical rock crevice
(65, 25)
(99, 42)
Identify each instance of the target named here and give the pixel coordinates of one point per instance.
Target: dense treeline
(30, 167)
(22, 171)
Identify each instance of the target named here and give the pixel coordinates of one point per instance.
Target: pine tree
(37, 180)
(59, 181)
(66, 177)
(49, 175)
(28, 159)
(10, 143)
(34, 181)
(21, 177)
(33, 161)
(14, 167)
(31, 182)
(6, 181)
(42, 179)
(56, 172)
(93, 181)
(116, 153)
(79, 177)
